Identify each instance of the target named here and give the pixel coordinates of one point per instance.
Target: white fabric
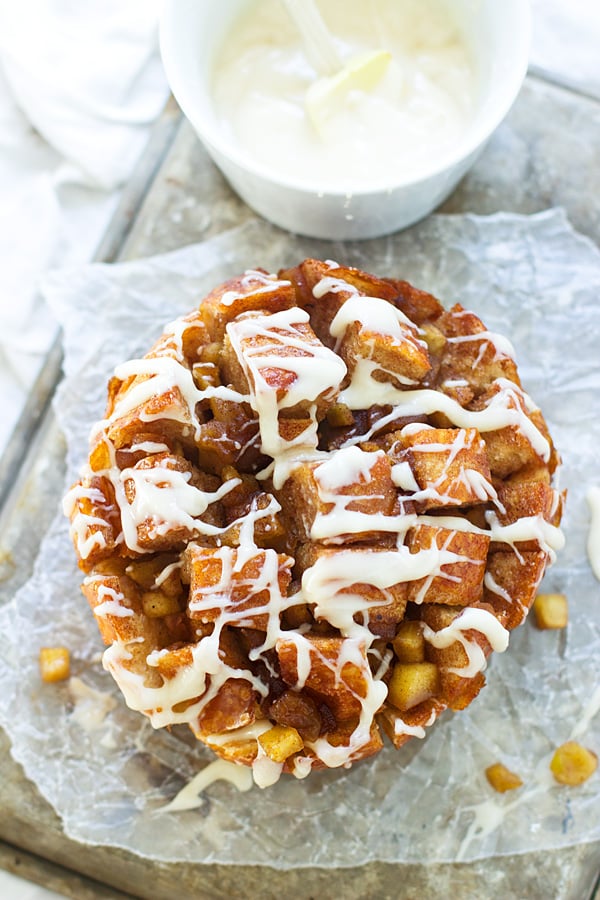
(80, 84)
(566, 41)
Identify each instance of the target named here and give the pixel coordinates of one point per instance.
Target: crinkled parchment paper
(107, 773)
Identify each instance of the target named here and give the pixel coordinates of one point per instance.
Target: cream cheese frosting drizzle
(276, 343)
(218, 770)
(593, 541)
(470, 619)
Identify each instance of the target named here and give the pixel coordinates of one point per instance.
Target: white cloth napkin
(566, 41)
(80, 84)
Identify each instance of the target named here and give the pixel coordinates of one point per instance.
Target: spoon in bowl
(336, 79)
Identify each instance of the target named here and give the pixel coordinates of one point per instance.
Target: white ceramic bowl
(191, 32)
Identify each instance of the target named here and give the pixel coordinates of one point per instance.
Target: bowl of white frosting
(357, 157)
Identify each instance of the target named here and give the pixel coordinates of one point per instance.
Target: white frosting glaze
(418, 731)
(371, 313)
(593, 541)
(502, 346)
(504, 408)
(265, 771)
(256, 281)
(218, 770)
(262, 76)
(317, 371)
(163, 374)
(90, 707)
(470, 619)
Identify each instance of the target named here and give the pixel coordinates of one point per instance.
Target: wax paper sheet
(105, 770)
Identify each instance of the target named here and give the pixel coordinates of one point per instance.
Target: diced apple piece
(551, 611)
(412, 683)
(573, 764)
(502, 779)
(157, 604)
(409, 643)
(433, 337)
(339, 415)
(280, 742)
(54, 664)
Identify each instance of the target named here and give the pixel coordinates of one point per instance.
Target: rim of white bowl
(211, 132)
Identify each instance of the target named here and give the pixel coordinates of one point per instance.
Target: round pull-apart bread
(310, 514)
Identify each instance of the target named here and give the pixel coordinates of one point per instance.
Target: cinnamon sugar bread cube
(172, 357)
(377, 422)
(459, 581)
(338, 671)
(278, 360)
(341, 736)
(324, 308)
(184, 339)
(382, 609)
(513, 447)
(449, 465)
(162, 411)
(315, 494)
(417, 305)
(241, 750)
(141, 447)
(400, 727)
(255, 290)
(323, 288)
(518, 501)
(372, 335)
(234, 704)
(252, 513)
(472, 353)
(246, 587)
(229, 432)
(230, 439)
(117, 605)
(457, 689)
(364, 283)
(511, 582)
(171, 502)
(95, 520)
(171, 661)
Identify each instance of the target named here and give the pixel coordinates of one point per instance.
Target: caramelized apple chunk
(413, 683)
(573, 764)
(551, 611)
(502, 779)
